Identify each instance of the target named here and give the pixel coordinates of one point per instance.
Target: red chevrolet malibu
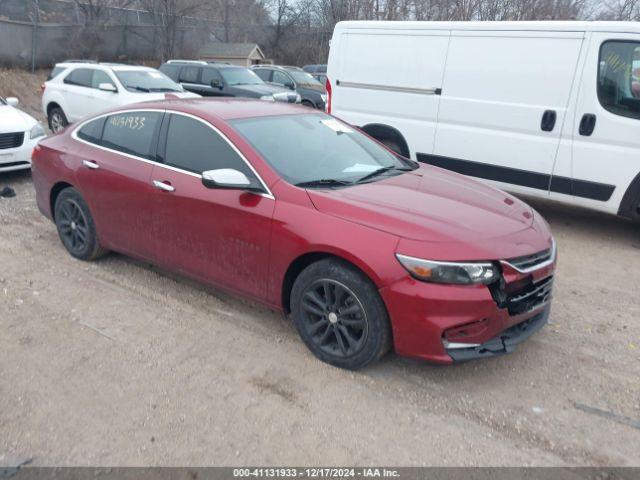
(295, 209)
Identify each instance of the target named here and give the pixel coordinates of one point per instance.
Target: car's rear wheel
(57, 119)
(76, 227)
(339, 314)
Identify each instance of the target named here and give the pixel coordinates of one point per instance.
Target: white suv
(78, 89)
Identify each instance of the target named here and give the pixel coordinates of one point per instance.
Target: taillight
(328, 87)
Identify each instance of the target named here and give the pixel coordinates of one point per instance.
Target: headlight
(36, 131)
(449, 272)
(268, 98)
(298, 98)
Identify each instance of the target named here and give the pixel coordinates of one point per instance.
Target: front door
(218, 236)
(606, 129)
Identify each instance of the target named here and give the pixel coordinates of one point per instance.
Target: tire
(349, 333)
(307, 103)
(76, 227)
(57, 120)
(392, 144)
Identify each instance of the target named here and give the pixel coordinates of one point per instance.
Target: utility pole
(34, 34)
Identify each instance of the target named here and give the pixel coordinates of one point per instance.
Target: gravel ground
(119, 363)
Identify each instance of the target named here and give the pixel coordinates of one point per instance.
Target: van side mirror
(229, 179)
(215, 83)
(107, 87)
(12, 101)
(290, 85)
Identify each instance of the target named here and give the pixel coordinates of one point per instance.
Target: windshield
(304, 78)
(2, 101)
(318, 148)
(147, 81)
(240, 76)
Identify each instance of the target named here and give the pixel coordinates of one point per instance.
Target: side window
(619, 78)
(170, 71)
(195, 147)
(80, 76)
(131, 132)
(263, 73)
(209, 75)
(100, 77)
(92, 131)
(281, 78)
(189, 74)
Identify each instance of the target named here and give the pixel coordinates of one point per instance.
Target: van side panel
(497, 88)
(390, 77)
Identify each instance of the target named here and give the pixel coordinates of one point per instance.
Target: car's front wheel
(76, 227)
(57, 120)
(339, 314)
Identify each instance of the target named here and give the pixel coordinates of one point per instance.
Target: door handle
(548, 122)
(164, 186)
(587, 124)
(90, 164)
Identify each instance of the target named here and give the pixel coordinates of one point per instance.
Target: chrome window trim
(74, 135)
(546, 263)
(387, 88)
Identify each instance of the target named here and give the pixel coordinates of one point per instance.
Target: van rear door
(606, 129)
(389, 77)
(504, 101)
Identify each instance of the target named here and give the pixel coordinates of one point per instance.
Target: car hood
(14, 120)
(260, 89)
(154, 96)
(428, 204)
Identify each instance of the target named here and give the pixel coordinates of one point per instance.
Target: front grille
(11, 140)
(529, 297)
(531, 261)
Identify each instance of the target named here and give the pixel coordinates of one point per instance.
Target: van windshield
(316, 150)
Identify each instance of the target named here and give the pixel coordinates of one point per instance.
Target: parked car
(77, 89)
(312, 92)
(296, 209)
(315, 69)
(543, 108)
(224, 80)
(19, 134)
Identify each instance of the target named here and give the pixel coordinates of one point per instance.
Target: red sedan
(295, 209)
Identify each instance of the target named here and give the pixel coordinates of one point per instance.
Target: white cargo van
(550, 109)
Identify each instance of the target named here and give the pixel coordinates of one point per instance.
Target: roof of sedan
(228, 109)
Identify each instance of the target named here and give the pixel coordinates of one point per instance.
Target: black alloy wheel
(340, 315)
(335, 319)
(75, 225)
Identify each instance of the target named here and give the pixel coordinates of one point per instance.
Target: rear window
(55, 72)
(170, 71)
(80, 76)
(131, 132)
(92, 131)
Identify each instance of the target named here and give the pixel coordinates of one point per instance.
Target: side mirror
(215, 83)
(230, 179)
(107, 87)
(12, 101)
(290, 85)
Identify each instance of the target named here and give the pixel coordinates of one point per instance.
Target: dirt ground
(118, 363)
(25, 86)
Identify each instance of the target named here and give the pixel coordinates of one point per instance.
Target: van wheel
(307, 103)
(57, 120)
(340, 315)
(75, 225)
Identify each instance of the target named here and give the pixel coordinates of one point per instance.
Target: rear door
(78, 93)
(116, 178)
(390, 77)
(215, 235)
(504, 101)
(606, 129)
